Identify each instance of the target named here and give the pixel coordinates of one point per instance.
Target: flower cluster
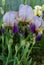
(34, 18)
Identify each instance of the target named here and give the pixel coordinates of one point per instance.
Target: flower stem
(25, 1)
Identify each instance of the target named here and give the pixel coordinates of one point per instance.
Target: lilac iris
(32, 28)
(38, 37)
(15, 29)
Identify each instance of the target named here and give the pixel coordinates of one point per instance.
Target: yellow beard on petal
(39, 30)
(7, 25)
(19, 19)
(30, 21)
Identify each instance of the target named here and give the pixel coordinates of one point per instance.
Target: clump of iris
(24, 15)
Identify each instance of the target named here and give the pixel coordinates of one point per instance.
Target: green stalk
(25, 2)
(9, 54)
(9, 44)
(2, 44)
(30, 51)
(3, 2)
(40, 2)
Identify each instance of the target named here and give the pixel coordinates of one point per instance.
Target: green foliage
(15, 52)
(20, 52)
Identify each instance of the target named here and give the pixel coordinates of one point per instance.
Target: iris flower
(10, 18)
(37, 26)
(38, 10)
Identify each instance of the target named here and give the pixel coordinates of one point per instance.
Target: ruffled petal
(29, 12)
(10, 17)
(25, 12)
(22, 12)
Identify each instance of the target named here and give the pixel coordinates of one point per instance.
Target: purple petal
(32, 28)
(15, 29)
(38, 37)
(3, 31)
